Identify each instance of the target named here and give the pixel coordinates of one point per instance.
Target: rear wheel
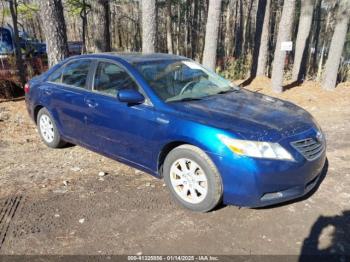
(48, 130)
(192, 178)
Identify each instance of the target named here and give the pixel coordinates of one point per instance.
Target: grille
(310, 148)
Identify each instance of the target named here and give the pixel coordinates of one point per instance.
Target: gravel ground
(54, 201)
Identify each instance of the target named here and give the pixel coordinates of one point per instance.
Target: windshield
(176, 80)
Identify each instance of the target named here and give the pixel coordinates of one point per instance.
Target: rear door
(118, 129)
(66, 90)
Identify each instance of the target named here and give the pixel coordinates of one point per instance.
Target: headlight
(256, 148)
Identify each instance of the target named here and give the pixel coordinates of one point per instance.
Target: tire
(190, 188)
(48, 130)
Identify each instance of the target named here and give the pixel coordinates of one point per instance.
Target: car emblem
(319, 136)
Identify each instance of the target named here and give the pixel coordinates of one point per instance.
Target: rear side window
(56, 76)
(76, 73)
(110, 78)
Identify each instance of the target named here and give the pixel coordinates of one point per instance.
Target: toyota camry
(169, 116)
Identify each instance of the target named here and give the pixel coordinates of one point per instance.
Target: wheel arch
(170, 146)
(165, 151)
(36, 112)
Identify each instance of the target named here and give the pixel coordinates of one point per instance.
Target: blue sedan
(169, 116)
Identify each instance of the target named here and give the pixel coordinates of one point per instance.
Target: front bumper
(252, 182)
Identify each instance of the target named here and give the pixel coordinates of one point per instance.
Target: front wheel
(192, 178)
(48, 130)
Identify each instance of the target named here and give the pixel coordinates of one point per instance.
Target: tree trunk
(202, 16)
(169, 36)
(189, 28)
(211, 34)
(101, 39)
(261, 38)
(337, 44)
(275, 14)
(284, 34)
(316, 35)
(178, 30)
(264, 42)
(320, 62)
(228, 30)
(83, 16)
(55, 30)
(239, 29)
(195, 29)
(18, 53)
(156, 39)
(246, 28)
(305, 20)
(148, 25)
(185, 28)
(40, 29)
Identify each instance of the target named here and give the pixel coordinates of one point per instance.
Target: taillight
(26, 88)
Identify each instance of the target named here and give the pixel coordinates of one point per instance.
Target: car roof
(135, 57)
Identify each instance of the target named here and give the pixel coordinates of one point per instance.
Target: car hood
(248, 114)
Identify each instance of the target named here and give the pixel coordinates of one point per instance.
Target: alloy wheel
(189, 180)
(46, 128)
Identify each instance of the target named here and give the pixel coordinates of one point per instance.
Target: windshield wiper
(186, 99)
(227, 91)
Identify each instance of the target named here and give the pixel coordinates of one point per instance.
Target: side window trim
(91, 76)
(94, 71)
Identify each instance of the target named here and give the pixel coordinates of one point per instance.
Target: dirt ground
(54, 202)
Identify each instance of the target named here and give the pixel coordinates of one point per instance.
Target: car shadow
(221, 205)
(306, 196)
(318, 247)
(69, 145)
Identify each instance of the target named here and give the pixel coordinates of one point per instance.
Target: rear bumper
(249, 182)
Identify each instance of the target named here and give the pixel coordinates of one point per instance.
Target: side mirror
(130, 96)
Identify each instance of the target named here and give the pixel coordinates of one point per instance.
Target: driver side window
(109, 78)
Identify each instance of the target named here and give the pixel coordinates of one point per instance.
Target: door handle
(91, 103)
(47, 91)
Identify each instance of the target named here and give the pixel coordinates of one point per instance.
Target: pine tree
(212, 33)
(337, 45)
(284, 34)
(55, 30)
(148, 8)
(305, 21)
